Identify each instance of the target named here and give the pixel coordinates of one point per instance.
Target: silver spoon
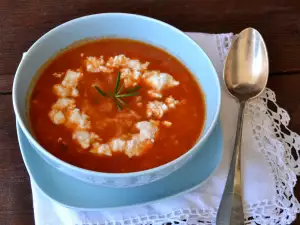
(245, 74)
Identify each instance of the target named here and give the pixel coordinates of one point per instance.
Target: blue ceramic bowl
(124, 26)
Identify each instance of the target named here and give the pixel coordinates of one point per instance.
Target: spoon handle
(231, 206)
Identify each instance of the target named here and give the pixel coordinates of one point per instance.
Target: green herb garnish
(100, 91)
(118, 94)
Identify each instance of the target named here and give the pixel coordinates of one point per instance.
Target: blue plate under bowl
(73, 193)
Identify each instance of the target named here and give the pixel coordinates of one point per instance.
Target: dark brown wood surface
(22, 22)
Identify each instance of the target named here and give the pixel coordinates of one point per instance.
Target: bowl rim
(72, 167)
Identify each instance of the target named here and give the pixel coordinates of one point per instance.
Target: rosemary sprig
(118, 82)
(118, 94)
(100, 91)
(127, 95)
(134, 89)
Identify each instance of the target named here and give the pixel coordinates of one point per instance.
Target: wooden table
(23, 21)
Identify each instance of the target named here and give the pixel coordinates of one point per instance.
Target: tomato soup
(116, 105)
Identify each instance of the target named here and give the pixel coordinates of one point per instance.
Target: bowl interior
(125, 26)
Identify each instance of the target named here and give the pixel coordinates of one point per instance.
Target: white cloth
(269, 170)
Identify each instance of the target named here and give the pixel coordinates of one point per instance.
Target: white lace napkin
(269, 169)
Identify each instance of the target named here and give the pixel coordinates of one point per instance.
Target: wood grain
(22, 22)
(288, 96)
(15, 191)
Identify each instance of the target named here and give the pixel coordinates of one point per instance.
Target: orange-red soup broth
(154, 115)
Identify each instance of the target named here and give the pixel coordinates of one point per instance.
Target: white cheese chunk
(57, 117)
(137, 65)
(86, 138)
(71, 79)
(156, 109)
(94, 137)
(117, 145)
(104, 149)
(125, 62)
(117, 61)
(171, 102)
(159, 81)
(101, 149)
(133, 146)
(64, 103)
(131, 69)
(147, 130)
(58, 75)
(64, 92)
(83, 138)
(79, 119)
(68, 86)
(167, 123)
(140, 142)
(96, 65)
(154, 94)
(130, 77)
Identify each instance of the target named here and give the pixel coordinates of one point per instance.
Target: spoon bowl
(246, 73)
(247, 67)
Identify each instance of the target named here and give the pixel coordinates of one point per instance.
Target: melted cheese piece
(104, 149)
(171, 102)
(131, 69)
(57, 117)
(62, 91)
(130, 77)
(71, 79)
(64, 103)
(157, 108)
(78, 119)
(63, 111)
(117, 61)
(167, 123)
(148, 130)
(96, 65)
(121, 61)
(117, 145)
(135, 64)
(85, 138)
(133, 146)
(142, 141)
(159, 81)
(58, 109)
(82, 137)
(154, 94)
(58, 75)
(67, 88)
